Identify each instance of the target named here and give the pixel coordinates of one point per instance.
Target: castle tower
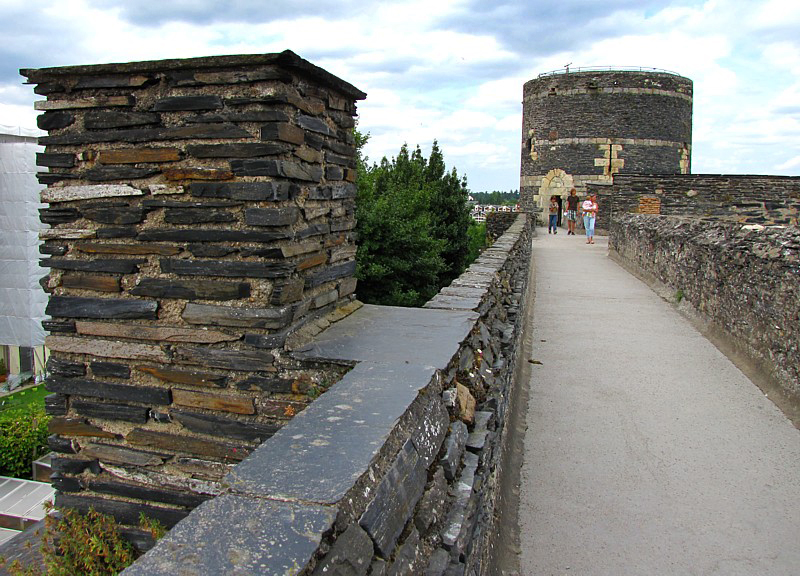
(583, 127)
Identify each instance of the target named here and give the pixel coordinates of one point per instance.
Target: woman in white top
(589, 207)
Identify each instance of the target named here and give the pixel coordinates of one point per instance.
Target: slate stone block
(225, 451)
(210, 315)
(197, 215)
(96, 389)
(114, 213)
(59, 326)
(266, 341)
(289, 291)
(65, 483)
(132, 249)
(117, 81)
(110, 369)
(206, 379)
(106, 308)
(227, 268)
(430, 433)
(106, 348)
(314, 124)
(53, 249)
(112, 266)
(156, 333)
(176, 103)
(196, 173)
(210, 235)
(114, 454)
(213, 401)
(271, 216)
(55, 120)
(60, 367)
(114, 172)
(239, 150)
(244, 361)
(454, 449)
(397, 494)
(109, 411)
(206, 251)
(138, 155)
(455, 536)
(72, 465)
(407, 559)
(272, 384)
(284, 132)
(330, 273)
(109, 284)
(250, 191)
(213, 425)
(117, 232)
(313, 230)
(55, 405)
(125, 512)
(76, 427)
(433, 505)
(151, 494)
(103, 120)
(191, 290)
(438, 563)
(46, 178)
(55, 160)
(134, 135)
(350, 555)
(333, 173)
(62, 444)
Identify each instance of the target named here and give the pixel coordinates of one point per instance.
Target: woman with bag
(589, 216)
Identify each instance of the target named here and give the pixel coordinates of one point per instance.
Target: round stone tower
(583, 127)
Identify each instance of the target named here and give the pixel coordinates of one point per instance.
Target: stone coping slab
(394, 335)
(321, 453)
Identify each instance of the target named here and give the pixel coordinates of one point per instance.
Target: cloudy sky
(453, 70)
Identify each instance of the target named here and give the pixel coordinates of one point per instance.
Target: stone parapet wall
(395, 469)
(744, 280)
(202, 216)
(498, 222)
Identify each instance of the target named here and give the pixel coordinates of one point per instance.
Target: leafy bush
(23, 439)
(88, 544)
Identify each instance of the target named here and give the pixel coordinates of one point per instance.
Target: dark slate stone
(430, 433)
(320, 193)
(159, 203)
(397, 494)
(45, 88)
(333, 173)
(342, 224)
(378, 567)
(96, 389)
(243, 150)
(196, 215)
(274, 384)
(148, 493)
(438, 563)
(55, 216)
(407, 559)
(191, 290)
(350, 555)
(59, 326)
(314, 124)
(211, 251)
(124, 512)
(111, 265)
(273, 253)
(117, 81)
(71, 465)
(160, 417)
(114, 213)
(225, 268)
(123, 172)
(289, 291)
(106, 308)
(117, 232)
(433, 505)
(201, 102)
(344, 190)
(210, 235)
(454, 449)
(271, 216)
(103, 120)
(110, 370)
(55, 405)
(245, 116)
(255, 191)
(55, 120)
(330, 273)
(225, 427)
(268, 341)
(65, 483)
(244, 361)
(53, 177)
(458, 526)
(55, 160)
(340, 148)
(343, 119)
(313, 230)
(211, 315)
(458, 569)
(190, 77)
(59, 367)
(62, 444)
(236, 534)
(133, 135)
(280, 168)
(315, 141)
(110, 411)
(53, 249)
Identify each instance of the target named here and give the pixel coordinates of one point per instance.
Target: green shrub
(23, 439)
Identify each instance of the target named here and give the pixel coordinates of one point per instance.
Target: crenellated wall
(743, 279)
(201, 217)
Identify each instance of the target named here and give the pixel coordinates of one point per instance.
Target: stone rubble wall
(416, 480)
(201, 218)
(745, 280)
(498, 222)
(766, 200)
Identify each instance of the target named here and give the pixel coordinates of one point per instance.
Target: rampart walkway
(647, 451)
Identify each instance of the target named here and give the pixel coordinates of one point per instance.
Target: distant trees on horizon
(496, 197)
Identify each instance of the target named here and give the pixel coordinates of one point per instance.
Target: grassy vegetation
(22, 400)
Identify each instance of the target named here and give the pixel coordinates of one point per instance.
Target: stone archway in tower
(555, 183)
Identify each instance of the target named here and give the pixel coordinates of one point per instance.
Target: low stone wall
(498, 222)
(394, 470)
(745, 280)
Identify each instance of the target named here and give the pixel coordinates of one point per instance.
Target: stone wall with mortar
(767, 200)
(582, 128)
(744, 279)
(201, 217)
(395, 469)
(498, 222)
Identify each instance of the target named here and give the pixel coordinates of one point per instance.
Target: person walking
(589, 207)
(552, 225)
(572, 211)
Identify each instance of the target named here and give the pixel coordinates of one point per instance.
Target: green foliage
(679, 295)
(22, 399)
(23, 439)
(477, 240)
(496, 197)
(88, 544)
(413, 221)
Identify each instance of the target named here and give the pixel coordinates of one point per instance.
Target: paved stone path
(647, 451)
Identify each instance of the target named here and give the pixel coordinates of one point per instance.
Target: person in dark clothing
(572, 211)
